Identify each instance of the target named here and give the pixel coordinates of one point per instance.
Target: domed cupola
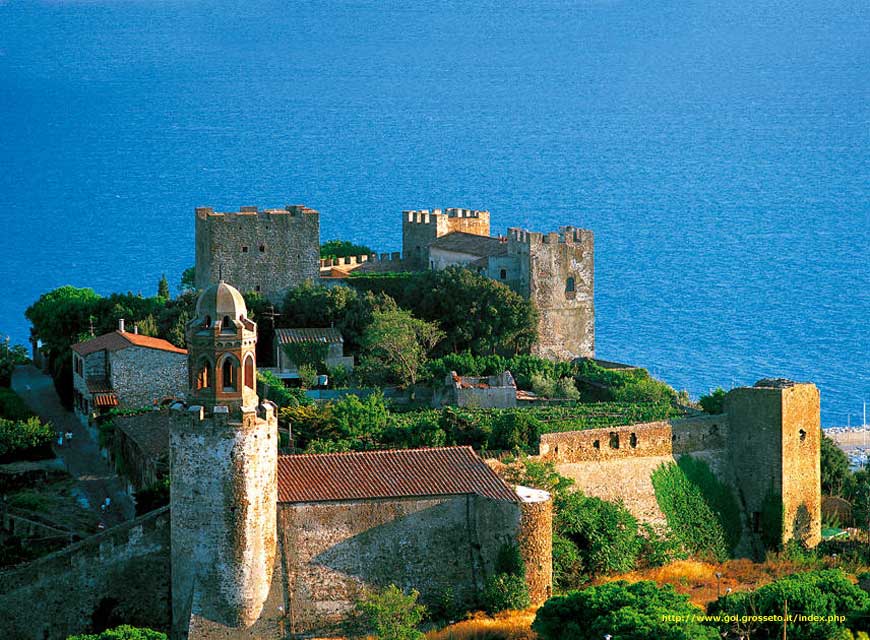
(222, 342)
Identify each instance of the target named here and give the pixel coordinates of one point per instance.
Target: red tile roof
(388, 474)
(471, 244)
(117, 340)
(105, 399)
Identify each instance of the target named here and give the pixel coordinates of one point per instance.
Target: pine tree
(163, 288)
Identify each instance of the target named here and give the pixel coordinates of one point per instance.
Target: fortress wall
(118, 576)
(333, 551)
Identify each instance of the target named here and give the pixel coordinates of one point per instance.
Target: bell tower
(223, 462)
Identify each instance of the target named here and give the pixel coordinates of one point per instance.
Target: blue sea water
(719, 151)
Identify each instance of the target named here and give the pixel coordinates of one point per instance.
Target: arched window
(227, 325)
(203, 375)
(230, 374)
(206, 324)
(249, 372)
(569, 285)
(503, 274)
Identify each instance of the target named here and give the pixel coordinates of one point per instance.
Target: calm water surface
(718, 150)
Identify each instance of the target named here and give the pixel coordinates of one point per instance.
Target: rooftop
(304, 335)
(388, 474)
(471, 244)
(118, 340)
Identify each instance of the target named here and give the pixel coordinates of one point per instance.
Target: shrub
(124, 632)
(343, 249)
(605, 534)
(626, 611)
(504, 591)
(714, 402)
(28, 439)
(826, 594)
(10, 357)
(272, 388)
(12, 407)
(392, 614)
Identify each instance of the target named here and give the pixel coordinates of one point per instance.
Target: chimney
(121, 325)
(136, 329)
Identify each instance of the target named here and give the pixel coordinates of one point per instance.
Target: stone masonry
(267, 251)
(420, 228)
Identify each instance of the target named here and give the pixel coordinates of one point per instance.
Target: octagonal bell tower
(223, 461)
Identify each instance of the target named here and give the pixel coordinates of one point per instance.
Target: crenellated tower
(223, 457)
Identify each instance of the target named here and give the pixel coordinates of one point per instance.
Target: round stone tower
(223, 459)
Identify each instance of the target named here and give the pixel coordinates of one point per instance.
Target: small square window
(244, 249)
(262, 248)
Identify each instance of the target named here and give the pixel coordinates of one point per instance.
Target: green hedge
(12, 407)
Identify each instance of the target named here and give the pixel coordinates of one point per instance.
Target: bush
(11, 357)
(123, 632)
(504, 591)
(391, 614)
(605, 534)
(25, 440)
(714, 402)
(12, 407)
(827, 594)
(272, 388)
(625, 611)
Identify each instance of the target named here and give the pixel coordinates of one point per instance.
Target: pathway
(81, 456)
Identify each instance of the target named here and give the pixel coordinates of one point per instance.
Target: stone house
(486, 392)
(330, 337)
(127, 370)
(140, 448)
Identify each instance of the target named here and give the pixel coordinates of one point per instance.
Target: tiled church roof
(388, 474)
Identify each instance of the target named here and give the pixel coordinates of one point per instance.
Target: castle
(270, 251)
(263, 545)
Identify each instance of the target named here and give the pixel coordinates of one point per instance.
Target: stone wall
(333, 551)
(267, 251)
(556, 272)
(118, 576)
(535, 542)
(141, 376)
(420, 228)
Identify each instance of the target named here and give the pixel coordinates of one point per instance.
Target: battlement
(425, 216)
(198, 416)
(291, 210)
(325, 263)
(565, 235)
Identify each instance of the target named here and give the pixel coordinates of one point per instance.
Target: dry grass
(508, 625)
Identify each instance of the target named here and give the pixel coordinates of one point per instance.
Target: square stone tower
(268, 251)
(774, 448)
(557, 273)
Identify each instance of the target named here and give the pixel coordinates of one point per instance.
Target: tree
(163, 288)
(10, 357)
(835, 468)
(60, 317)
(392, 614)
(188, 279)
(395, 346)
(478, 314)
(147, 326)
(639, 611)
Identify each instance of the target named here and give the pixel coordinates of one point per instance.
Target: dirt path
(81, 456)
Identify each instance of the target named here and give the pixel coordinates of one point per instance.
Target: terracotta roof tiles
(388, 474)
(117, 340)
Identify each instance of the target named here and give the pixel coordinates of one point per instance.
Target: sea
(718, 150)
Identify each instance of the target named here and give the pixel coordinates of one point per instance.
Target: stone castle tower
(267, 251)
(774, 450)
(420, 228)
(556, 272)
(223, 459)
